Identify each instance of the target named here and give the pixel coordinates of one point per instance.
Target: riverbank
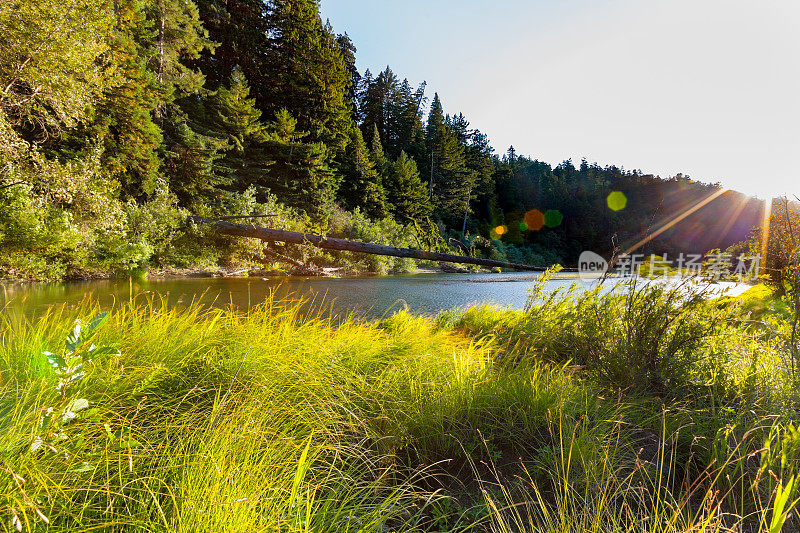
(582, 413)
(209, 272)
(241, 271)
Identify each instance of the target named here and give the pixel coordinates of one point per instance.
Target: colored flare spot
(500, 230)
(617, 201)
(534, 219)
(553, 218)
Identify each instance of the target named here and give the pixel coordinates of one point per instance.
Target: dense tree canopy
(115, 113)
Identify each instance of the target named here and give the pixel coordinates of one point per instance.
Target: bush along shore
(651, 409)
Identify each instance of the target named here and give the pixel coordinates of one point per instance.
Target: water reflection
(367, 297)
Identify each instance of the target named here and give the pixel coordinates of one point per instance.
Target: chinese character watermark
(714, 266)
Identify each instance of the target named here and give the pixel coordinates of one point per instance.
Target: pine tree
(240, 30)
(376, 147)
(300, 175)
(361, 184)
(225, 139)
(449, 178)
(307, 73)
(407, 194)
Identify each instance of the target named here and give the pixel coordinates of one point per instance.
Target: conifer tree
(232, 115)
(125, 117)
(224, 140)
(361, 94)
(406, 193)
(307, 73)
(395, 109)
(361, 184)
(300, 175)
(405, 122)
(479, 159)
(376, 146)
(179, 39)
(149, 46)
(349, 50)
(190, 165)
(377, 103)
(449, 177)
(240, 30)
(435, 119)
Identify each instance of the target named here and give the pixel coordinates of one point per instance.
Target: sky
(707, 88)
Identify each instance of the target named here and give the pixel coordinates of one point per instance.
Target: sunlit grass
(213, 420)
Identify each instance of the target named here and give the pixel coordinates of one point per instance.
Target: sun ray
(765, 234)
(738, 211)
(669, 224)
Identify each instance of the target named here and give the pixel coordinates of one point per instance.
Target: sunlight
(765, 239)
(734, 216)
(675, 220)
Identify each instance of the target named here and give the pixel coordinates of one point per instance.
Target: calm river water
(367, 297)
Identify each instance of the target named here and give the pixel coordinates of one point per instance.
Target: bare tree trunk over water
(331, 243)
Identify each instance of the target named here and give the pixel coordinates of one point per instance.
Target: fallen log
(332, 243)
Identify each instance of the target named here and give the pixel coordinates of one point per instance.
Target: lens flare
(500, 230)
(534, 219)
(617, 201)
(553, 218)
(668, 224)
(734, 215)
(765, 235)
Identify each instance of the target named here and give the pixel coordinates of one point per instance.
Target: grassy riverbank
(585, 413)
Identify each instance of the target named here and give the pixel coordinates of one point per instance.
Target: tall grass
(270, 420)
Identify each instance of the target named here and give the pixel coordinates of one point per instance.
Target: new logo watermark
(591, 266)
(713, 266)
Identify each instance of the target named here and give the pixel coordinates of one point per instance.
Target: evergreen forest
(118, 119)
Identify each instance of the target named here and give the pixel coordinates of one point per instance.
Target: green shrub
(357, 226)
(638, 337)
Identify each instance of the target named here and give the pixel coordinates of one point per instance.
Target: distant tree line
(116, 117)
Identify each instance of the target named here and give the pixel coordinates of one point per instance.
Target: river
(366, 297)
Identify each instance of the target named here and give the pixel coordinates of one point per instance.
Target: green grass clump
(159, 419)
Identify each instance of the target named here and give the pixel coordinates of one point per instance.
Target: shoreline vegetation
(658, 409)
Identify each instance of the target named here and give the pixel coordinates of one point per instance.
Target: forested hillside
(118, 119)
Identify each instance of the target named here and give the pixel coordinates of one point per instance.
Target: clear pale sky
(709, 88)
